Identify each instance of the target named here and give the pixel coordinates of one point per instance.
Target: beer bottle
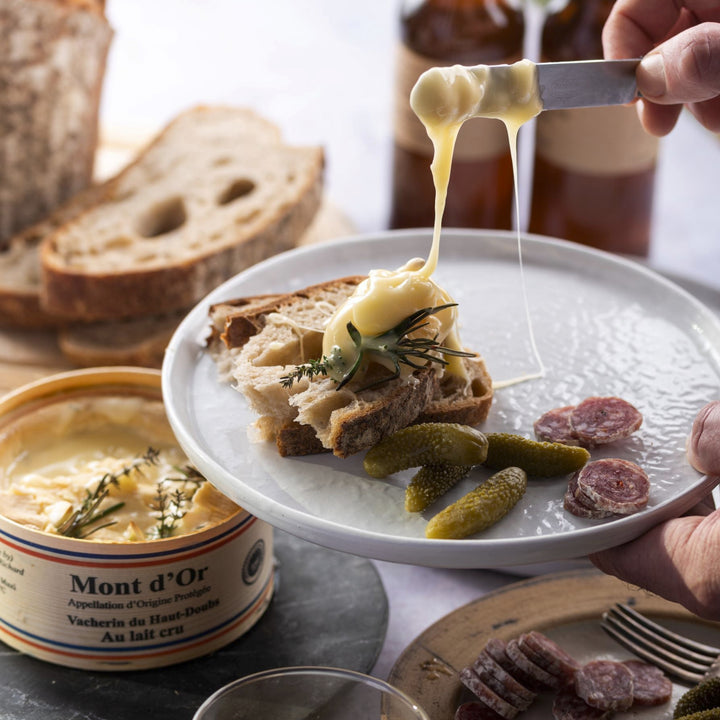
(449, 32)
(594, 170)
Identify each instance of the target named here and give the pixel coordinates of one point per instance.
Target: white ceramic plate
(603, 326)
(567, 607)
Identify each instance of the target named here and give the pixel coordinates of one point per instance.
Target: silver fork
(685, 659)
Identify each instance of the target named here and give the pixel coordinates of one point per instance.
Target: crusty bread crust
(258, 340)
(52, 65)
(214, 193)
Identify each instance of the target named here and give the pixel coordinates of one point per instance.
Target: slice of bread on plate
(257, 341)
(217, 191)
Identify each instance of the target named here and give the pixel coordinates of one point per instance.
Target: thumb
(683, 69)
(703, 448)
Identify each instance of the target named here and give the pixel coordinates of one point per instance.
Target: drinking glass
(309, 693)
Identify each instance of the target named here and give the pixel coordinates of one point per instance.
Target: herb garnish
(393, 344)
(172, 505)
(77, 523)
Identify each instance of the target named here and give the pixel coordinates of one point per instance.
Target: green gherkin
(432, 482)
(426, 444)
(539, 459)
(696, 702)
(481, 507)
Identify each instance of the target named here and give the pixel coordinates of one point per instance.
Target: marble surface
(322, 69)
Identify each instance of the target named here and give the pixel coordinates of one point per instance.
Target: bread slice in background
(139, 341)
(52, 65)
(214, 193)
(256, 341)
(20, 271)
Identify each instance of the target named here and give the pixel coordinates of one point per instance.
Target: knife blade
(586, 83)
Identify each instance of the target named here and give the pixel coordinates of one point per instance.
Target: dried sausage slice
(602, 420)
(568, 706)
(650, 685)
(548, 655)
(523, 662)
(485, 695)
(605, 684)
(615, 485)
(577, 504)
(554, 426)
(496, 649)
(502, 682)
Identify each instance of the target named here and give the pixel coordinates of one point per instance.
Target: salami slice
(502, 682)
(554, 426)
(523, 662)
(615, 485)
(474, 710)
(650, 685)
(568, 706)
(605, 684)
(602, 420)
(548, 655)
(581, 506)
(496, 649)
(485, 695)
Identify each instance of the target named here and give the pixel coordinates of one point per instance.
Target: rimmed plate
(602, 326)
(567, 607)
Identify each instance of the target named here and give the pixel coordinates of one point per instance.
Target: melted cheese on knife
(443, 99)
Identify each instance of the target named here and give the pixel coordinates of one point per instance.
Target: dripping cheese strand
(443, 99)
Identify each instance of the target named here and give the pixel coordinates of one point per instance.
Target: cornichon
(539, 459)
(426, 444)
(699, 701)
(432, 482)
(481, 507)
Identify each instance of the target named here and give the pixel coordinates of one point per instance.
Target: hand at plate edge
(677, 559)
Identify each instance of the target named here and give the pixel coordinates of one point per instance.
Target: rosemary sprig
(172, 505)
(395, 345)
(77, 523)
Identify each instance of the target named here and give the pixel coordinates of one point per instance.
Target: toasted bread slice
(258, 340)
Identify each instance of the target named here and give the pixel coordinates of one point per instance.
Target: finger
(658, 119)
(673, 560)
(708, 113)
(634, 27)
(703, 447)
(684, 69)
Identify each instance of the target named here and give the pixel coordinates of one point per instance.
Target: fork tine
(679, 640)
(663, 642)
(650, 655)
(657, 644)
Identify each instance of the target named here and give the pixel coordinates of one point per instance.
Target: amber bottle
(594, 168)
(448, 32)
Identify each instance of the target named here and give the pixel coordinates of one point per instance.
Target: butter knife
(586, 83)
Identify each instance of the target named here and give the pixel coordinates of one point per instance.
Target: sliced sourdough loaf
(257, 341)
(215, 192)
(20, 270)
(137, 341)
(52, 65)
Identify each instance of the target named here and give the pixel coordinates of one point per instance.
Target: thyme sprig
(394, 344)
(172, 504)
(77, 523)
